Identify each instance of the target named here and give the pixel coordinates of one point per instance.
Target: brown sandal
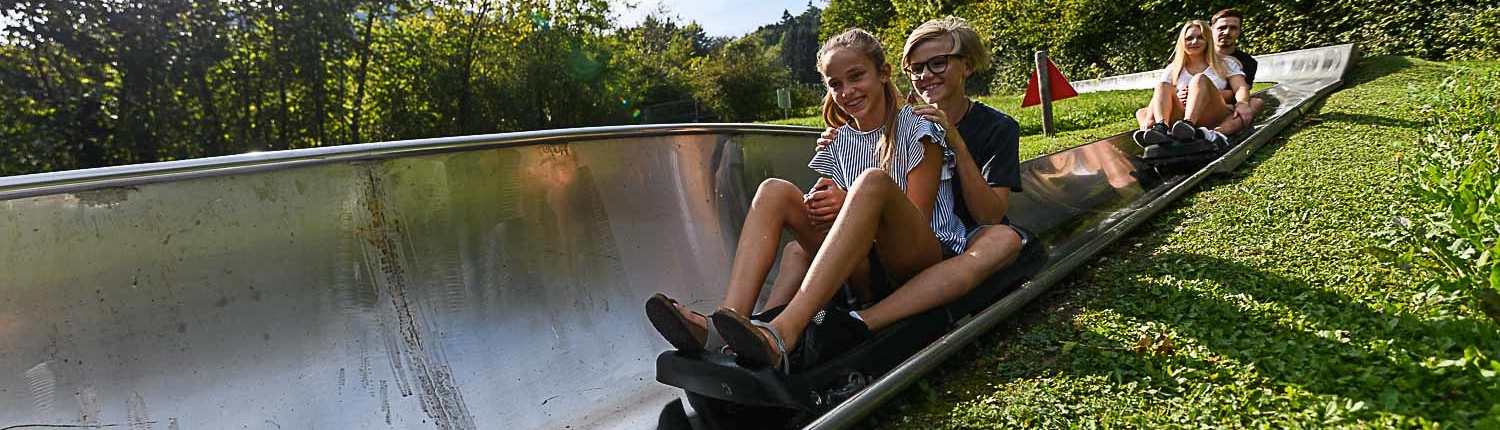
(677, 330)
(743, 335)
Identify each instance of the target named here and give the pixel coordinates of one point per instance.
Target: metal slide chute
(455, 283)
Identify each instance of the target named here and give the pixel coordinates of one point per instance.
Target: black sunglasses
(936, 65)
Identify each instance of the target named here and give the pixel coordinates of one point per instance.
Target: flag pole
(1044, 89)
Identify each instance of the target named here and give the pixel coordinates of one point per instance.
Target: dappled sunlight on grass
(1252, 302)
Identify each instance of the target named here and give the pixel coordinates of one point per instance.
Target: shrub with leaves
(1455, 173)
(1095, 38)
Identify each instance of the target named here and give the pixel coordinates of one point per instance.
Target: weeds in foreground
(1454, 170)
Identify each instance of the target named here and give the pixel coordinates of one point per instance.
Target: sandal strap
(780, 345)
(714, 341)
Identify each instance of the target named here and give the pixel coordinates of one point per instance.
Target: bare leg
(794, 264)
(777, 206)
(992, 249)
(1143, 116)
(1165, 106)
(1205, 105)
(875, 208)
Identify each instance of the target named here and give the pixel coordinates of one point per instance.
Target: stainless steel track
(455, 283)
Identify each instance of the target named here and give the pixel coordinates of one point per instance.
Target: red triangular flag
(1061, 89)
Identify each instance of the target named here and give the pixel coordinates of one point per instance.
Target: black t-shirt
(994, 139)
(1248, 64)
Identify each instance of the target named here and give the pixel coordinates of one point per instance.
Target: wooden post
(1044, 90)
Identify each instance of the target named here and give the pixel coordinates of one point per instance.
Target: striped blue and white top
(854, 151)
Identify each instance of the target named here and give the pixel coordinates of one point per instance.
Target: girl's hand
(1182, 94)
(824, 202)
(935, 115)
(827, 137)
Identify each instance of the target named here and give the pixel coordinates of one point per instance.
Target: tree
(740, 82)
(871, 15)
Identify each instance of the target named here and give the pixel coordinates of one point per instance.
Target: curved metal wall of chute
(454, 283)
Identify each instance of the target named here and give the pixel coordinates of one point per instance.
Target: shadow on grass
(1374, 120)
(1296, 335)
(1373, 68)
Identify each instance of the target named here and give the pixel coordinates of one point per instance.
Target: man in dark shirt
(1226, 26)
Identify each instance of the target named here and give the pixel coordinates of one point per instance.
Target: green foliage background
(1095, 38)
(92, 84)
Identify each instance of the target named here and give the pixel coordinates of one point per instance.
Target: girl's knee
(870, 183)
(775, 189)
(777, 186)
(873, 177)
(997, 236)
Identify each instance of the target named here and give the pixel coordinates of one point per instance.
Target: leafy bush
(740, 81)
(1455, 174)
(1094, 38)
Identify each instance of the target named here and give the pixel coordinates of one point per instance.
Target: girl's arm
(922, 181)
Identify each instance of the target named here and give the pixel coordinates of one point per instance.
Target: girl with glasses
(898, 218)
(939, 57)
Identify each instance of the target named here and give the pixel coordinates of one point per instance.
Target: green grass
(1079, 120)
(1250, 303)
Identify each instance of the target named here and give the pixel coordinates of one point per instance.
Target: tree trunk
(364, 70)
(215, 125)
(278, 62)
(465, 90)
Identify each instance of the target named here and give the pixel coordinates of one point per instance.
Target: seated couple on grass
(903, 201)
(1207, 84)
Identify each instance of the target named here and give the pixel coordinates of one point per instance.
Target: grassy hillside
(1250, 303)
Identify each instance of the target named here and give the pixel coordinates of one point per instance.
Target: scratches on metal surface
(136, 414)
(385, 401)
(43, 385)
(385, 244)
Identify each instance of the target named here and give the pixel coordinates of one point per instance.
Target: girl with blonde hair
(1188, 94)
(891, 163)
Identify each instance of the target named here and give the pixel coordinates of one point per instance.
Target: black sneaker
(1160, 127)
(1184, 130)
(1139, 136)
(1217, 139)
(832, 332)
(1154, 135)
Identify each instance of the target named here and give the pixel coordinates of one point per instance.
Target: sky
(718, 17)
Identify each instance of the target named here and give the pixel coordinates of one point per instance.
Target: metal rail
(13, 187)
(459, 283)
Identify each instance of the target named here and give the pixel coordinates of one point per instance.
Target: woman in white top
(1195, 77)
